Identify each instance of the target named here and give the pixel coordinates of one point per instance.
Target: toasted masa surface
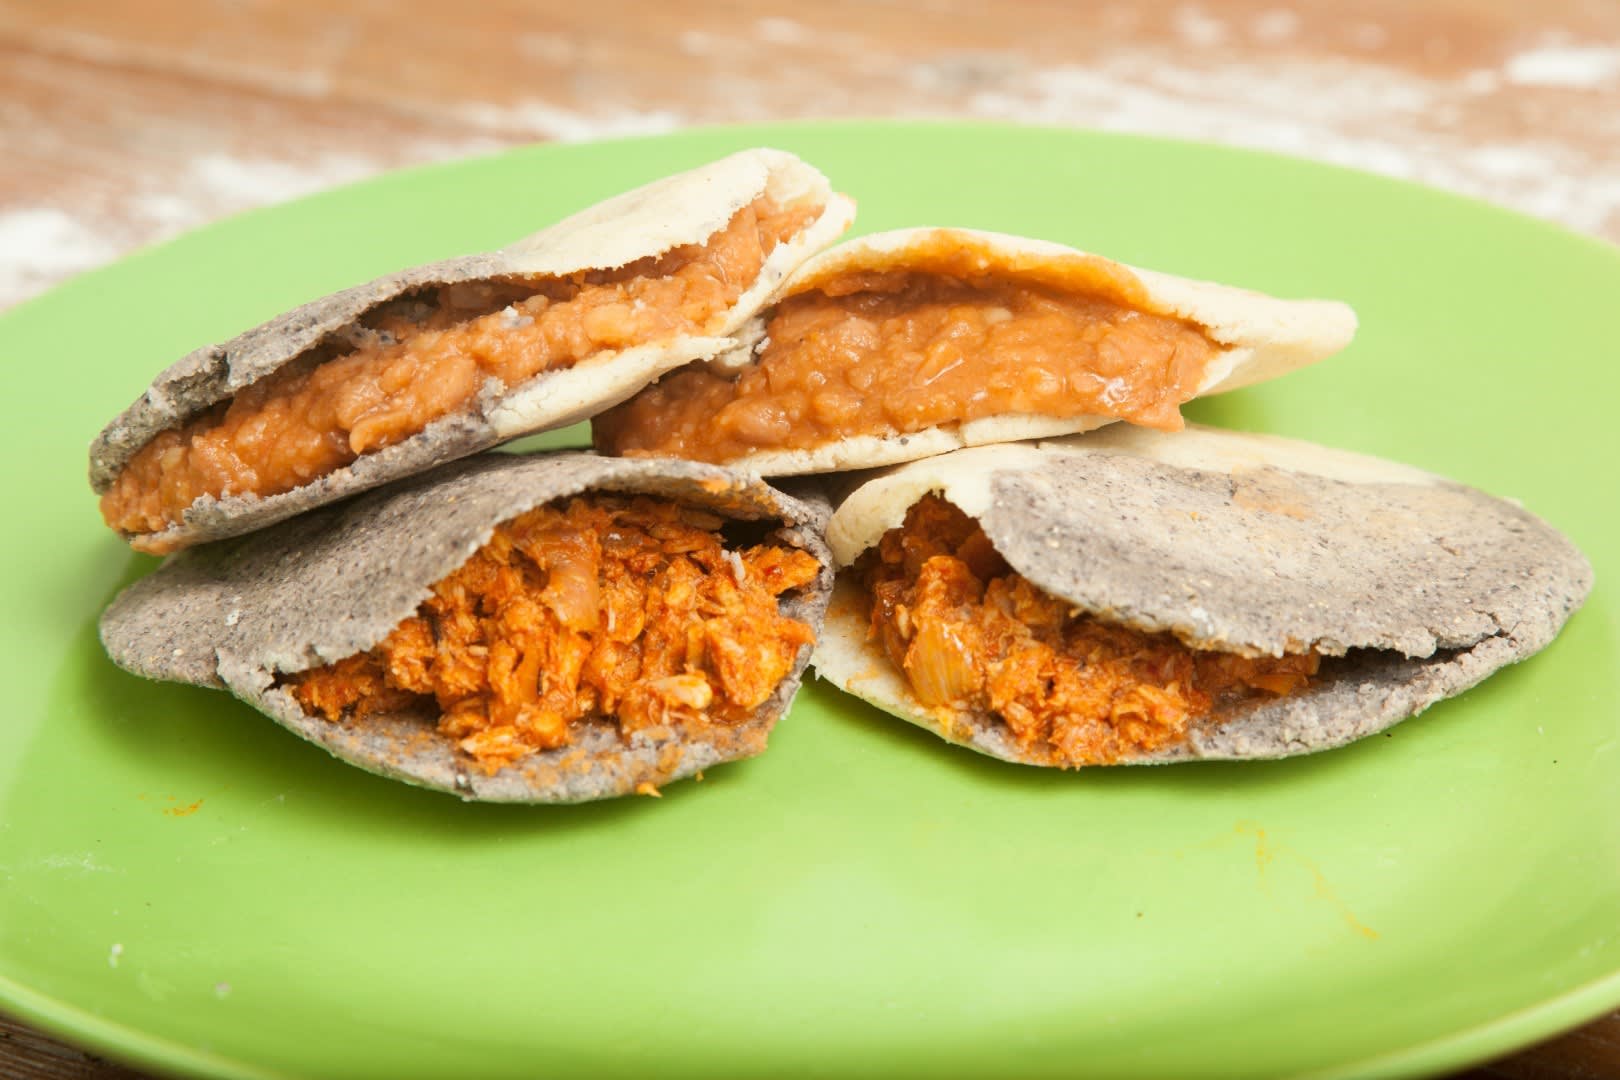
(601, 606)
(1268, 561)
(680, 210)
(416, 361)
(337, 581)
(973, 636)
(1243, 544)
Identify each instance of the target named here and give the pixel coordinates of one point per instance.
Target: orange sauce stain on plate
(1266, 851)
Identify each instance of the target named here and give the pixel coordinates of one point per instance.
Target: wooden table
(126, 123)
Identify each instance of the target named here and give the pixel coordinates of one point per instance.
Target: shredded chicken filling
(895, 352)
(628, 609)
(973, 636)
(429, 355)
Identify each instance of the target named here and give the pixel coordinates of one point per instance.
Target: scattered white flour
(1362, 115)
(779, 31)
(1197, 27)
(84, 864)
(114, 953)
(548, 121)
(40, 246)
(1200, 84)
(1369, 36)
(1574, 66)
(214, 185)
(696, 43)
(1275, 26)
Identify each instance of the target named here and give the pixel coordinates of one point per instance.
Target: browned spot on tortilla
(1271, 491)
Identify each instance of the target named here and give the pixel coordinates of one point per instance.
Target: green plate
(185, 885)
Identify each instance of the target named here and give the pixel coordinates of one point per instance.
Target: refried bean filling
(893, 352)
(971, 635)
(623, 608)
(428, 355)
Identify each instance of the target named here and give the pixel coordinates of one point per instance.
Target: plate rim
(1475, 1044)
